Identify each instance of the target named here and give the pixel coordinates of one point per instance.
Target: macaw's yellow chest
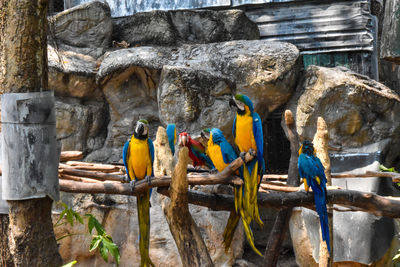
(139, 158)
(244, 133)
(215, 154)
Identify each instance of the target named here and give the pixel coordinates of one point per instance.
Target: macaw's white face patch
(239, 104)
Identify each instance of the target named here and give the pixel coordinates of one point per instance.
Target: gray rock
(131, 95)
(190, 26)
(358, 111)
(85, 29)
(265, 71)
(81, 125)
(73, 75)
(196, 83)
(194, 100)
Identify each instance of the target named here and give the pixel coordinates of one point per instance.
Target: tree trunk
(191, 246)
(5, 256)
(23, 62)
(281, 224)
(320, 142)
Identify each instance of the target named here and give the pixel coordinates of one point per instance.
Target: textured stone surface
(119, 217)
(358, 111)
(85, 29)
(73, 75)
(81, 125)
(194, 100)
(131, 95)
(170, 28)
(266, 71)
(196, 83)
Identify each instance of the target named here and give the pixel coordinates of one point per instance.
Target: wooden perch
(224, 177)
(70, 155)
(187, 236)
(281, 224)
(91, 167)
(364, 201)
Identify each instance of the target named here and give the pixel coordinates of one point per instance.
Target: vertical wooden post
(320, 142)
(191, 246)
(23, 61)
(282, 220)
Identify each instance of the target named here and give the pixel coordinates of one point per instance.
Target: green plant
(102, 240)
(72, 263)
(384, 169)
(396, 259)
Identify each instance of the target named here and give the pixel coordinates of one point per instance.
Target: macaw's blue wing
(151, 150)
(259, 138)
(125, 155)
(234, 128)
(228, 153)
(171, 133)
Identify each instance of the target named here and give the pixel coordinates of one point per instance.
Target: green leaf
(113, 248)
(104, 251)
(70, 217)
(64, 236)
(95, 243)
(90, 222)
(93, 222)
(396, 257)
(384, 169)
(78, 217)
(62, 214)
(69, 264)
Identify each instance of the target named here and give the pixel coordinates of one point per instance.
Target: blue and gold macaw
(171, 133)
(312, 172)
(248, 135)
(222, 154)
(138, 157)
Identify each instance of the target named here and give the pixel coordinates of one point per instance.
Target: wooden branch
(369, 174)
(364, 201)
(187, 236)
(78, 179)
(70, 155)
(92, 174)
(224, 177)
(92, 167)
(320, 142)
(280, 188)
(281, 224)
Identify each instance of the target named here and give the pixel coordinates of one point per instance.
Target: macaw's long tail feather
(320, 205)
(251, 180)
(249, 233)
(230, 228)
(143, 207)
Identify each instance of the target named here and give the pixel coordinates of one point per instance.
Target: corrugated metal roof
(120, 8)
(316, 27)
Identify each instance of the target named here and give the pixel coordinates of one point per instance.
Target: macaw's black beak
(232, 103)
(202, 134)
(140, 129)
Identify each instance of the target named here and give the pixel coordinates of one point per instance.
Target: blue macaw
(222, 154)
(138, 157)
(171, 133)
(248, 135)
(312, 172)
